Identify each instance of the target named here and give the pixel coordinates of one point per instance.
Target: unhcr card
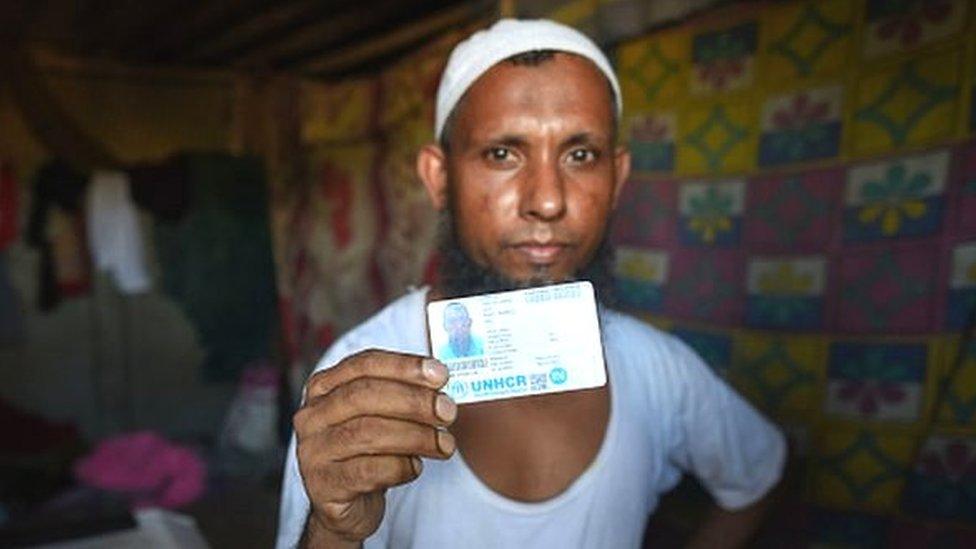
(518, 343)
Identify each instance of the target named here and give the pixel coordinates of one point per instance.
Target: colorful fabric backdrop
(353, 227)
(803, 214)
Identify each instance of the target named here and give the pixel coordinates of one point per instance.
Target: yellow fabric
(959, 410)
(653, 70)
(803, 42)
(575, 12)
(337, 112)
(861, 467)
(144, 119)
(918, 97)
(793, 366)
(717, 137)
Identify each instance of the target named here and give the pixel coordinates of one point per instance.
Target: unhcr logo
(499, 384)
(558, 375)
(458, 389)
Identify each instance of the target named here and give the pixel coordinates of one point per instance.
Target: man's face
(532, 173)
(457, 323)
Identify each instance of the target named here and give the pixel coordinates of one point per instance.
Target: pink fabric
(151, 470)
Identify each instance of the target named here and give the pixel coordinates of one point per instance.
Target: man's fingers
(375, 397)
(376, 435)
(412, 369)
(350, 479)
(356, 519)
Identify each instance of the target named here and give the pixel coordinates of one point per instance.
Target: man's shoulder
(622, 328)
(394, 328)
(646, 348)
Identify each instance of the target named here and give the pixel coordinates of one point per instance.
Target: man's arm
(738, 455)
(729, 529)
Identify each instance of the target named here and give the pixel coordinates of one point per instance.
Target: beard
(458, 275)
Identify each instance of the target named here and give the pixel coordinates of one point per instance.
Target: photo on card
(460, 334)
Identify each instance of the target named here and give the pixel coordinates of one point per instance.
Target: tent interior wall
(131, 111)
(147, 117)
(110, 84)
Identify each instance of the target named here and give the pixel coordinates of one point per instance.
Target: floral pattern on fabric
(710, 213)
(786, 292)
(876, 381)
(652, 143)
(902, 197)
(961, 294)
(943, 483)
(723, 59)
(903, 25)
(640, 276)
(802, 126)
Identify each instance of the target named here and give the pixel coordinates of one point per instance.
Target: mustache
(541, 234)
(458, 275)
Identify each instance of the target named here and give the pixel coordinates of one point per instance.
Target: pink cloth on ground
(151, 470)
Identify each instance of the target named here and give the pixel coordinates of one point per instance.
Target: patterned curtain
(803, 213)
(355, 228)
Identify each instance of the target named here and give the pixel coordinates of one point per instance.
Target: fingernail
(445, 408)
(434, 370)
(418, 465)
(446, 443)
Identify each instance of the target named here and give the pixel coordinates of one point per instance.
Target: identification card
(518, 343)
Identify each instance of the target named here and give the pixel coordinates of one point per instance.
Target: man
(460, 341)
(528, 171)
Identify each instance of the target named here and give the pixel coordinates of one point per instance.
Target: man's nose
(543, 190)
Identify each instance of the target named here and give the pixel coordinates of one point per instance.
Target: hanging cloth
(162, 189)
(216, 261)
(11, 308)
(114, 235)
(9, 205)
(56, 229)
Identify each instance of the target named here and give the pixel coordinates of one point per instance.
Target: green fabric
(216, 261)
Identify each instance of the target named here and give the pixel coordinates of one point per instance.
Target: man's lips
(541, 253)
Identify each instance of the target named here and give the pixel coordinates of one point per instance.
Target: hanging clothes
(161, 188)
(55, 227)
(9, 205)
(11, 309)
(114, 235)
(217, 263)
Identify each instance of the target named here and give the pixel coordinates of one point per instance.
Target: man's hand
(364, 425)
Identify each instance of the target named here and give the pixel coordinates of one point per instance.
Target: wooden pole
(506, 8)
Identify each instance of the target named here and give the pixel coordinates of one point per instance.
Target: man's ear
(432, 170)
(621, 162)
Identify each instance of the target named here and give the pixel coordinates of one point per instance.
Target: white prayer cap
(483, 49)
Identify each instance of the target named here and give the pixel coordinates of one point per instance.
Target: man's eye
(581, 156)
(498, 154)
